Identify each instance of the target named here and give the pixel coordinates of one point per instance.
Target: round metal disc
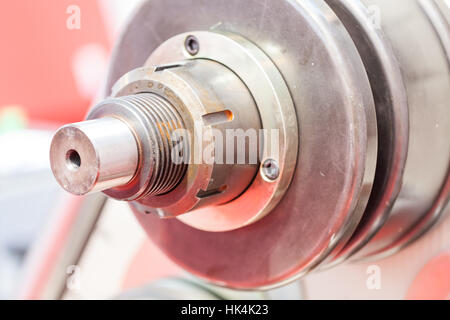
(276, 112)
(392, 115)
(420, 44)
(337, 143)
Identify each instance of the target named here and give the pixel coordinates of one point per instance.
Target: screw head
(192, 45)
(270, 169)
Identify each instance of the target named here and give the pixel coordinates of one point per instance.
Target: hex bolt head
(270, 169)
(192, 45)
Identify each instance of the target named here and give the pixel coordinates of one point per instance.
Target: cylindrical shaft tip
(94, 155)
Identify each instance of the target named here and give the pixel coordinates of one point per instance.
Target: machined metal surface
(325, 191)
(424, 67)
(85, 160)
(277, 114)
(208, 107)
(358, 92)
(391, 105)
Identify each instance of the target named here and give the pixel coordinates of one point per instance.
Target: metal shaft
(101, 154)
(94, 155)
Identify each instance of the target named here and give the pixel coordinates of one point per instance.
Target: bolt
(192, 46)
(270, 169)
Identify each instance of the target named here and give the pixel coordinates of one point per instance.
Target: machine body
(258, 143)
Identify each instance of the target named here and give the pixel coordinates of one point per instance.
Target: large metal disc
(337, 147)
(421, 46)
(392, 114)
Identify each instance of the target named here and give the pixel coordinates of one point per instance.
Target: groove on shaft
(164, 119)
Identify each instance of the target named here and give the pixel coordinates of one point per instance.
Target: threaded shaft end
(164, 119)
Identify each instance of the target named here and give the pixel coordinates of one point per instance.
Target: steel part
(326, 198)
(86, 160)
(191, 45)
(400, 114)
(438, 12)
(213, 101)
(161, 117)
(278, 120)
(364, 166)
(179, 113)
(391, 104)
(424, 66)
(270, 169)
(166, 174)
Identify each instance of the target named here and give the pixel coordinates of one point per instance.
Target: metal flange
(278, 120)
(337, 141)
(360, 104)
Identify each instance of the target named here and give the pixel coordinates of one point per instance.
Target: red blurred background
(39, 56)
(51, 71)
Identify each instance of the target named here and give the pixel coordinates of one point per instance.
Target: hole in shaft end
(73, 160)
